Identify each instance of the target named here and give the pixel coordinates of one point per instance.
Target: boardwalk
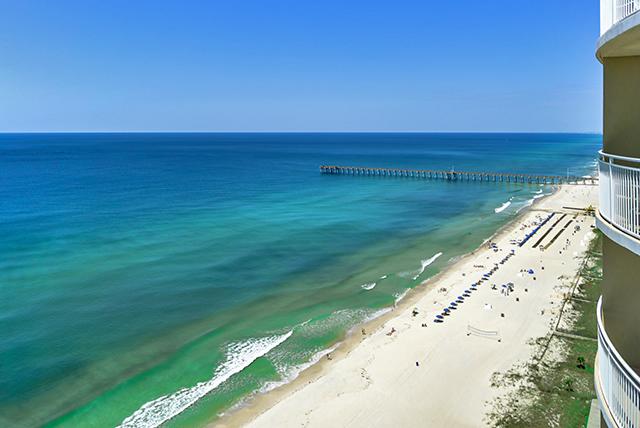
(456, 175)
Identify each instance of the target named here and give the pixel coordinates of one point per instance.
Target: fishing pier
(456, 175)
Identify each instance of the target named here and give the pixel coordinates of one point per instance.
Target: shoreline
(259, 403)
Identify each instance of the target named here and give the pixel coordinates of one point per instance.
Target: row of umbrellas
(533, 232)
(454, 305)
(467, 293)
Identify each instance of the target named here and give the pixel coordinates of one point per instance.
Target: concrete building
(617, 368)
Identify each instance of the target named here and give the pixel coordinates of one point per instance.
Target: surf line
(502, 207)
(426, 263)
(240, 355)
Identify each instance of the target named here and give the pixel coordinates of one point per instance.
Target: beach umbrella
(439, 317)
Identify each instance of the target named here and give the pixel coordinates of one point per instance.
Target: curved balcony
(617, 384)
(619, 211)
(614, 11)
(619, 29)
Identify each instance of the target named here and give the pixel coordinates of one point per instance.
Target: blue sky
(300, 65)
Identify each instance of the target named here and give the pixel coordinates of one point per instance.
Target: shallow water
(204, 267)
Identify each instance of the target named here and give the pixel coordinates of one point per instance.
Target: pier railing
(617, 384)
(620, 192)
(456, 175)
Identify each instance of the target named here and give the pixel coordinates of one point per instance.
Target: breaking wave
(240, 355)
(527, 203)
(502, 207)
(368, 286)
(426, 263)
(400, 295)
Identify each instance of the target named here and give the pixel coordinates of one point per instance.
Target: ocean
(166, 278)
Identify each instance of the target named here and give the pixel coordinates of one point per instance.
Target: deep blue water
(130, 264)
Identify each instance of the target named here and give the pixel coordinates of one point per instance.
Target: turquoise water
(202, 268)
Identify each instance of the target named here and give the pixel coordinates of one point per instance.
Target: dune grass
(555, 387)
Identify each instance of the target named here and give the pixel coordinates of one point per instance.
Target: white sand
(377, 382)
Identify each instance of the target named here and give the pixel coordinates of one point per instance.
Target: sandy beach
(405, 369)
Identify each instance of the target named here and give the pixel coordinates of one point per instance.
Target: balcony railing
(619, 385)
(614, 11)
(620, 192)
(624, 8)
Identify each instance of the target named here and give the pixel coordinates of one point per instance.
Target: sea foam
(400, 295)
(368, 286)
(502, 207)
(289, 374)
(240, 355)
(426, 263)
(527, 203)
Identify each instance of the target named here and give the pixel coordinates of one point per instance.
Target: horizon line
(302, 132)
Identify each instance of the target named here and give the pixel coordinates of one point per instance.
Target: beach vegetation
(555, 387)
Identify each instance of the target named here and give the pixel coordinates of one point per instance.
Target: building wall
(620, 298)
(621, 134)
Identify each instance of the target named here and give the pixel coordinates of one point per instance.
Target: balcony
(614, 11)
(619, 211)
(617, 384)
